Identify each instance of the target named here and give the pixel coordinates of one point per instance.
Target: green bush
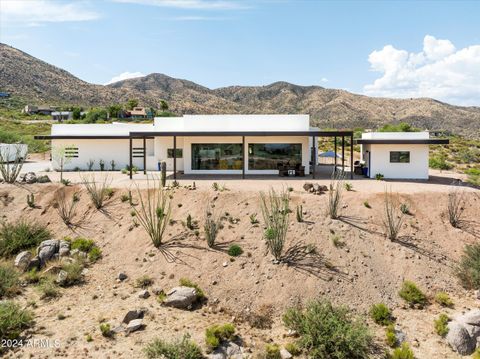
(235, 250)
(48, 289)
(20, 236)
(329, 332)
(468, 270)
(439, 162)
(185, 282)
(444, 300)
(476, 355)
(391, 336)
(183, 348)
(143, 282)
(404, 352)
(215, 334)
(9, 283)
(95, 254)
(412, 294)
(381, 314)
(293, 349)
(13, 320)
(272, 351)
(106, 330)
(82, 244)
(440, 325)
(74, 273)
(32, 276)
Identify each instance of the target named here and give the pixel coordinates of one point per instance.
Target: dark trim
(400, 142)
(131, 159)
(351, 156)
(85, 137)
(335, 155)
(144, 155)
(244, 133)
(343, 153)
(174, 157)
(243, 156)
(314, 156)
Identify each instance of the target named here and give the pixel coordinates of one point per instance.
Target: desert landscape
(347, 260)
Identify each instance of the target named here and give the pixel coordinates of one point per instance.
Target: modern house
(199, 144)
(31, 110)
(397, 154)
(62, 115)
(141, 112)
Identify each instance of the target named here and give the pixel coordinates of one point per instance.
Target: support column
(144, 156)
(343, 153)
(335, 155)
(351, 156)
(130, 156)
(174, 157)
(243, 157)
(314, 156)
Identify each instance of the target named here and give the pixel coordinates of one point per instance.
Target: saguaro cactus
(164, 174)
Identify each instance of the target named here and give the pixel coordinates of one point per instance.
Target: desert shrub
(440, 325)
(379, 176)
(473, 176)
(21, 235)
(412, 294)
(183, 348)
(153, 212)
(74, 273)
(293, 349)
(335, 194)
(253, 219)
(468, 269)
(65, 207)
(262, 318)
(392, 217)
(211, 227)
(391, 336)
(381, 314)
(235, 250)
(185, 282)
(96, 190)
(404, 208)
(47, 288)
(215, 334)
(337, 241)
(106, 330)
(9, 171)
(82, 244)
(94, 254)
(444, 299)
(189, 222)
(272, 351)
(366, 204)
(348, 186)
(124, 197)
(9, 281)
(32, 276)
(31, 200)
(439, 162)
(13, 320)
(403, 352)
(275, 213)
(455, 205)
(299, 212)
(143, 282)
(329, 332)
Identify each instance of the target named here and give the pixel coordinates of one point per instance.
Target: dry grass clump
(455, 204)
(336, 188)
(153, 211)
(98, 191)
(65, 205)
(393, 217)
(21, 235)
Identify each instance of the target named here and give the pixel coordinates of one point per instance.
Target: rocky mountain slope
(38, 82)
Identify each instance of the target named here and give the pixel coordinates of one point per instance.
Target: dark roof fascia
(398, 141)
(243, 133)
(81, 137)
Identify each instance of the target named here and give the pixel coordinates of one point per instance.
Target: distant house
(31, 110)
(45, 111)
(62, 115)
(141, 112)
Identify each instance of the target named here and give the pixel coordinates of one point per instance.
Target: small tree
(163, 105)
(131, 103)
(60, 156)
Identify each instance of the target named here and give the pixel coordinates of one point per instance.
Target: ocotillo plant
(164, 173)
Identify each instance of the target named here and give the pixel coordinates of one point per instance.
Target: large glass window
(270, 156)
(216, 156)
(399, 157)
(170, 153)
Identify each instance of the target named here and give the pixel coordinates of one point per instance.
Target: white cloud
(190, 4)
(324, 80)
(125, 76)
(33, 13)
(439, 71)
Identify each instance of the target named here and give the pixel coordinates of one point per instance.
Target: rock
(181, 297)
(285, 354)
(157, 291)
(133, 325)
(144, 294)
(471, 322)
(316, 187)
(47, 249)
(43, 179)
(63, 252)
(307, 186)
(122, 276)
(22, 260)
(232, 349)
(118, 329)
(225, 264)
(62, 278)
(34, 263)
(459, 339)
(132, 315)
(29, 177)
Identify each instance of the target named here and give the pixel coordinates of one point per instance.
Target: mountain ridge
(38, 82)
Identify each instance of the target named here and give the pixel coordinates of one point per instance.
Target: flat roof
(425, 141)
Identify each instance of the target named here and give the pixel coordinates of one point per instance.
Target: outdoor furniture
(286, 170)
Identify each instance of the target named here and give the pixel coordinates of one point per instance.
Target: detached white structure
(397, 154)
(197, 144)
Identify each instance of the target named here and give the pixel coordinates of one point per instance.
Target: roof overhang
(426, 141)
(83, 137)
(243, 133)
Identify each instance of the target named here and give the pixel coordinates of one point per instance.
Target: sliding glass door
(270, 156)
(216, 156)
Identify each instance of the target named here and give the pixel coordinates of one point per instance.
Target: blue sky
(390, 48)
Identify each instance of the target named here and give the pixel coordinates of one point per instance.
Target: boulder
(285, 354)
(63, 252)
(22, 260)
(133, 325)
(144, 294)
(307, 186)
(181, 297)
(132, 315)
(471, 322)
(47, 249)
(43, 179)
(29, 177)
(34, 263)
(459, 339)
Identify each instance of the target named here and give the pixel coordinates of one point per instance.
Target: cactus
(300, 213)
(130, 201)
(189, 222)
(31, 200)
(164, 174)
(102, 165)
(112, 165)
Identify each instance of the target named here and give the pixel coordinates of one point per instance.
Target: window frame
(170, 153)
(400, 155)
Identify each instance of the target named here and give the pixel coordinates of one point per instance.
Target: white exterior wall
(379, 161)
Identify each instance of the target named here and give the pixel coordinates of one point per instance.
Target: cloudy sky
(391, 48)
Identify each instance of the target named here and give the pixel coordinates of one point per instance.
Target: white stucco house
(397, 155)
(197, 144)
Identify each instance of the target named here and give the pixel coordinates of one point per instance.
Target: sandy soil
(369, 269)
